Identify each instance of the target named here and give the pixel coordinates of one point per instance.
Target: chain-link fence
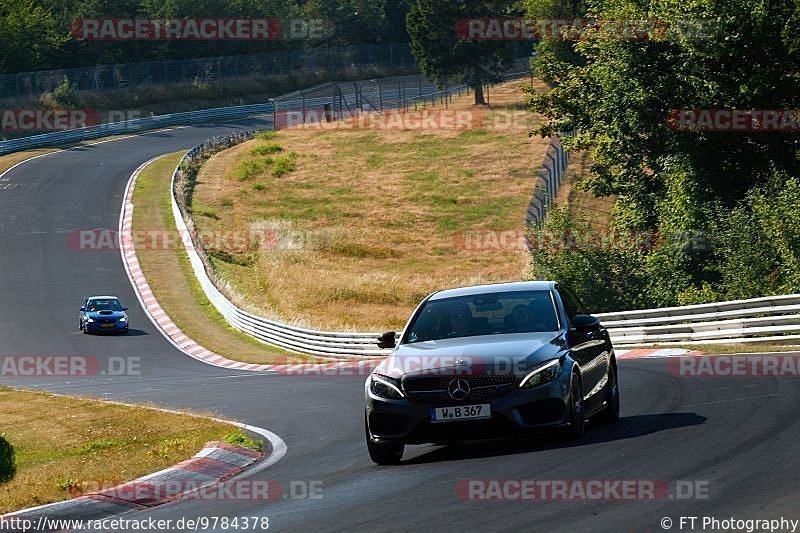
(203, 70)
(336, 100)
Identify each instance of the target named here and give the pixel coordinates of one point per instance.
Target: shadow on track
(625, 428)
(131, 333)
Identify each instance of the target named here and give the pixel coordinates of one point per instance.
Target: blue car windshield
(103, 305)
(485, 314)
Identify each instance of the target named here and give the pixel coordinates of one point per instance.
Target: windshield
(104, 305)
(484, 314)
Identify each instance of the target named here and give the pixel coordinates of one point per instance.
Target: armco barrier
(327, 343)
(547, 184)
(771, 319)
(130, 126)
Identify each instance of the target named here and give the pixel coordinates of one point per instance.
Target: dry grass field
(370, 220)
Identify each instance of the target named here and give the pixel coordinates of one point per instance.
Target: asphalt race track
(737, 435)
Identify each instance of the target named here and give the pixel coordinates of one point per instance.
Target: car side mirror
(585, 322)
(124, 308)
(387, 340)
(83, 309)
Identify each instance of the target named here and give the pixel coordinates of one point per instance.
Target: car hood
(106, 314)
(515, 352)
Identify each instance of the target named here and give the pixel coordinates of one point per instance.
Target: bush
(750, 251)
(8, 467)
(252, 167)
(266, 149)
(63, 96)
(758, 245)
(606, 277)
(284, 165)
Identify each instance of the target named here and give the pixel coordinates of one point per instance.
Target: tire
(577, 421)
(85, 330)
(384, 453)
(610, 413)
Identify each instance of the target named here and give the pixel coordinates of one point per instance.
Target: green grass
(266, 149)
(252, 167)
(55, 457)
(240, 438)
(283, 165)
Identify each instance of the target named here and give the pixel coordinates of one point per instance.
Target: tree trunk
(478, 88)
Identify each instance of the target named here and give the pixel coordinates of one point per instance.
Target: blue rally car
(103, 314)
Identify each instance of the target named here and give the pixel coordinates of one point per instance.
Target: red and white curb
(202, 476)
(173, 333)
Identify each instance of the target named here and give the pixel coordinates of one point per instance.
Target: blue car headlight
(90, 320)
(124, 319)
(542, 374)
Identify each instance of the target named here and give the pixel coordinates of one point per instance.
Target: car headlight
(542, 374)
(90, 319)
(385, 387)
(123, 319)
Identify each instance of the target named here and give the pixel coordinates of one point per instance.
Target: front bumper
(95, 327)
(521, 410)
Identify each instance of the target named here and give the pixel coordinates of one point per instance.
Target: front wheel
(384, 453)
(610, 412)
(577, 422)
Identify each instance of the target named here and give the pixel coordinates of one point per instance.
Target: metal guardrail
(58, 138)
(770, 319)
(297, 339)
(547, 184)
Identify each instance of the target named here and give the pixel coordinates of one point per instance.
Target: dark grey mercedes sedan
(490, 360)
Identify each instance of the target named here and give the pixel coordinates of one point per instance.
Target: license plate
(461, 412)
(106, 325)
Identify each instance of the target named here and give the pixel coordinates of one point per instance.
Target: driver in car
(460, 320)
(521, 319)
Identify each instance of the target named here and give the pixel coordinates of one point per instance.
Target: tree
(551, 52)
(744, 55)
(351, 21)
(444, 55)
(28, 36)
(714, 54)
